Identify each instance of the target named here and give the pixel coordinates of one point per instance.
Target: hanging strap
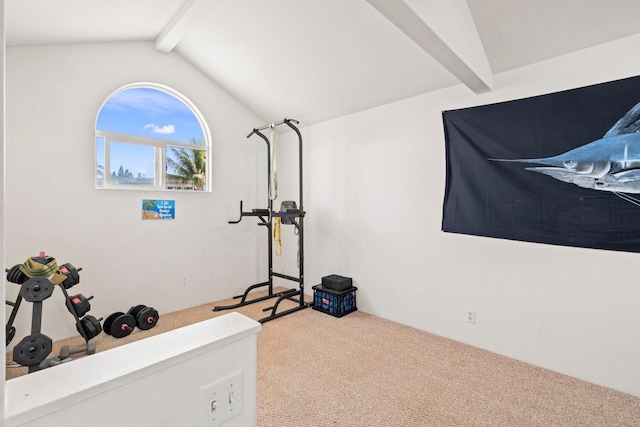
(273, 177)
(277, 235)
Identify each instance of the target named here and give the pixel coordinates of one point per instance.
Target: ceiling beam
(446, 31)
(179, 26)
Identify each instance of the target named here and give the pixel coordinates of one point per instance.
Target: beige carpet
(360, 370)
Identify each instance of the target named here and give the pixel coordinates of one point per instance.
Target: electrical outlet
(221, 400)
(471, 316)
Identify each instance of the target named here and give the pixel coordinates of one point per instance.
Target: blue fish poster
(562, 168)
(158, 209)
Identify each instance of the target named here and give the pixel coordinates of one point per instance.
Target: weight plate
(109, 320)
(73, 278)
(36, 289)
(32, 350)
(79, 305)
(119, 325)
(90, 326)
(123, 326)
(15, 275)
(135, 310)
(147, 318)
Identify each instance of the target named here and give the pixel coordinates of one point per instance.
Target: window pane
(99, 161)
(186, 169)
(131, 164)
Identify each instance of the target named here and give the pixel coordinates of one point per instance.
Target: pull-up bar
(281, 122)
(294, 216)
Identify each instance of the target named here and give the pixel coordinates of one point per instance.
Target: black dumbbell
(146, 317)
(73, 278)
(79, 305)
(15, 275)
(119, 325)
(89, 327)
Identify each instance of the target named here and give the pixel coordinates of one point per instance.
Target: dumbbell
(78, 304)
(146, 317)
(119, 325)
(89, 327)
(73, 278)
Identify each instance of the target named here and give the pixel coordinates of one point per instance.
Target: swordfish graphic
(611, 163)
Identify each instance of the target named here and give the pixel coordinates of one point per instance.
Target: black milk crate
(335, 303)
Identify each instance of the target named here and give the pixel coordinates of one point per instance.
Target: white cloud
(166, 129)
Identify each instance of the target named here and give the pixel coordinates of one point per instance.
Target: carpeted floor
(359, 370)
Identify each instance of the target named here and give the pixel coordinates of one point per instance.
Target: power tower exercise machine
(289, 214)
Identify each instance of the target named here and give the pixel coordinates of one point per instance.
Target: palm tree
(147, 206)
(189, 167)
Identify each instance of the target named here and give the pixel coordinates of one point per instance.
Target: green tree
(146, 208)
(188, 167)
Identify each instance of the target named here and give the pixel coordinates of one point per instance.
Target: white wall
(53, 96)
(374, 192)
(2, 201)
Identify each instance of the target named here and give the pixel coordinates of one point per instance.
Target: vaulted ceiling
(316, 60)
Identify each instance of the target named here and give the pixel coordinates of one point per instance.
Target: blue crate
(335, 303)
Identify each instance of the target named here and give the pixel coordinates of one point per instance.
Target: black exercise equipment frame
(297, 218)
(36, 315)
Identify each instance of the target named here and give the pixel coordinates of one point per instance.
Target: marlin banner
(562, 168)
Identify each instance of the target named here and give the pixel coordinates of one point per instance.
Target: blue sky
(149, 112)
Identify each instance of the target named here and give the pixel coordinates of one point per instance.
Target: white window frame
(160, 146)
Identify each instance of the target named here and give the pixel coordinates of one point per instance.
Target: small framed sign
(158, 209)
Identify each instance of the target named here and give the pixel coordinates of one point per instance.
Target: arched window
(151, 137)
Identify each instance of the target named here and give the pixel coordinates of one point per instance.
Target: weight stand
(34, 348)
(10, 329)
(295, 217)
